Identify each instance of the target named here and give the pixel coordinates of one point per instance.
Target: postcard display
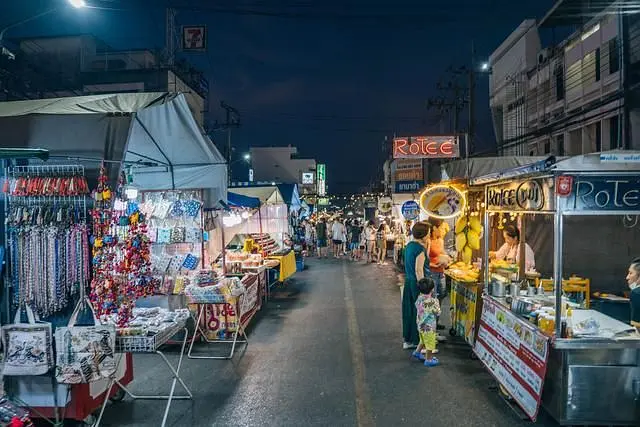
(176, 235)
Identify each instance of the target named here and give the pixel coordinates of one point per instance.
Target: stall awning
(236, 200)
(290, 195)
(154, 132)
(481, 166)
(606, 161)
(266, 195)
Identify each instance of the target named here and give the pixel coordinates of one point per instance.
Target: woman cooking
(633, 280)
(510, 251)
(416, 267)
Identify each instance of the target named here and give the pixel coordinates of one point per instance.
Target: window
(598, 137)
(547, 147)
(614, 56)
(559, 83)
(614, 132)
(560, 143)
(598, 64)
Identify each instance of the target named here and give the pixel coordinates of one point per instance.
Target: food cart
(563, 356)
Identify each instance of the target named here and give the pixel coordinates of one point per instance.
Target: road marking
(363, 401)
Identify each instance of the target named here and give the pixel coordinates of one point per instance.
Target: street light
(247, 157)
(484, 66)
(78, 3)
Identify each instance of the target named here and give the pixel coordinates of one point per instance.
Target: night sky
(332, 78)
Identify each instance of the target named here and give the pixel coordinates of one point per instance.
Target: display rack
(151, 345)
(238, 336)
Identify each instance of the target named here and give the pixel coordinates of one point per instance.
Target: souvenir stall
(545, 345)
(224, 307)
(154, 137)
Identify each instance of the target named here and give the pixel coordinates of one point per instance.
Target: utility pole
(170, 36)
(232, 121)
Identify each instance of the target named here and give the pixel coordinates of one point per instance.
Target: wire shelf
(148, 344)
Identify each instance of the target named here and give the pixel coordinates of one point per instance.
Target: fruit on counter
(461, 241)
(473, 239)
(463, 272)
(501, 264)
(461, 223)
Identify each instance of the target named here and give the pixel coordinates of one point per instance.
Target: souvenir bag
(190, 262)
(178, 235)
(193, 235)
(164, 235)
(27, 346)
(192, 207)
(85, 353)
(177, 209)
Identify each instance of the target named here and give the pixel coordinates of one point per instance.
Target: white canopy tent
(154, 133)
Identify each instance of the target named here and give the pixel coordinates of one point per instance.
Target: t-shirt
(435, 250)
(428, 309)
(337, 230)
(355, 234)
(321, 230)
(370, 233)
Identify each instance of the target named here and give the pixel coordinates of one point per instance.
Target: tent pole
(260, 218)
(144, 128)
(224, 249)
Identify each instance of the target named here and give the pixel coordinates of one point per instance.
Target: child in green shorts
(428, 309)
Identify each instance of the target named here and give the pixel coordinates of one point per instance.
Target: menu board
(515, 353)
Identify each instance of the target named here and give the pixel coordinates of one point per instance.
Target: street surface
(326, 351)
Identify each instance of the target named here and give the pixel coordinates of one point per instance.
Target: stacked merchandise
(47, 236)
(121, 259)
(267, 244)
(176, 236)
(12, 415)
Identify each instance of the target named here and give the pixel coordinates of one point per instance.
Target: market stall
(128, 143)
(546, 347)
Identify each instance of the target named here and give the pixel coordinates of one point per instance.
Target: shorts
(441, 284)
(337, 242)
(322, 243)
(370, 245)
(353, 246)
(429, 340)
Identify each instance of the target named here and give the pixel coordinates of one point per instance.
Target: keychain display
(121, 256)
(57, 181)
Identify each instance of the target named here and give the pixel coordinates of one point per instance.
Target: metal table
(151, 345)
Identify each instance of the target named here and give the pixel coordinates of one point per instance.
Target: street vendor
(510, 250)
(633, 280)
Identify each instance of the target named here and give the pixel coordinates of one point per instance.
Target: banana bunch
(468, 230)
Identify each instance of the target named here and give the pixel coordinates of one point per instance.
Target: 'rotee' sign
(426, 147)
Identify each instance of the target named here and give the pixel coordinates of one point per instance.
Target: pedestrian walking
(416, 267)
(370, 238)
(337, 232)
(381, 242)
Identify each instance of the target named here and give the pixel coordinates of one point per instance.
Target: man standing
(321, 237)
(370, 236)
(337, 234)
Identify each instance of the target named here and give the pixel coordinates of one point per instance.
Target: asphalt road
(325, 351)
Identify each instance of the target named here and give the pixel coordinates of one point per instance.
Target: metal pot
(514, 289)
(531, 291)
(498, 289)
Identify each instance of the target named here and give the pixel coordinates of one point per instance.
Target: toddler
(428, 309)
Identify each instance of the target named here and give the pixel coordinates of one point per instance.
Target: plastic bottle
(569, 323)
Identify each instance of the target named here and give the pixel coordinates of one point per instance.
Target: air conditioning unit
(543, 56)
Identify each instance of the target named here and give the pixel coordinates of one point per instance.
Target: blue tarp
(239, 201)
(290, 195)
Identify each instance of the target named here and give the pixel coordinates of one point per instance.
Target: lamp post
(245, 157)
(78, 4)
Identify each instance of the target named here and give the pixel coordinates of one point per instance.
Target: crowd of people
(351, 238)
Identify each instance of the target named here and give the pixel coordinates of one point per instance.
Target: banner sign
(321, 172)
(599, 192)
(529, 195)
(515, 353)
(619, 158)
(408, 186)
(307, 178)
(385, 204)
(443, 201)
(194, 38)
(408, 170)
(410, 210)
(426, 147)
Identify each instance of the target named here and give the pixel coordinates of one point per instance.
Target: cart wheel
(118, 395)
(452, 332)
(473, 355)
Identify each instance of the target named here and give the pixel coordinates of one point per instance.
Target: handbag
(85, 353)
(27, 346)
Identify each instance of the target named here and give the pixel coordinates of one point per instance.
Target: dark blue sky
(332, 78)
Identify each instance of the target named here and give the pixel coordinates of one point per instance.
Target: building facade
(282, 165)
(573, 97)
(47, 67)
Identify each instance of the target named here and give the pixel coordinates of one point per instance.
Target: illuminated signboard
(408, 170)
(443, 201)
(321, 173)
(307, 178)
(426, 147)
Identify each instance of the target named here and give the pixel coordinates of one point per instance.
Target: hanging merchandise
(121, 259)
(46, 238)
(27, 346)
(60, 182)
(85, 353)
